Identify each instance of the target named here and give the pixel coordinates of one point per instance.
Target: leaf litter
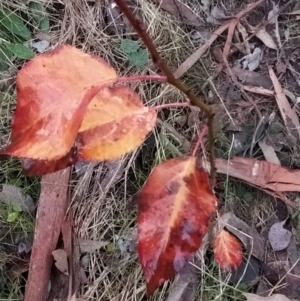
(279, 237)
(258, 84)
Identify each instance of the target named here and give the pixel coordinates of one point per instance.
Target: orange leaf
(116, 122)
(227, 250)
(54, 90)
(174, 210)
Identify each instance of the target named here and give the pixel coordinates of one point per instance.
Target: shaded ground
(103, 195)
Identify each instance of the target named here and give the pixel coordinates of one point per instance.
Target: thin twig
(141, 30)
(142, 77)
(172, 105)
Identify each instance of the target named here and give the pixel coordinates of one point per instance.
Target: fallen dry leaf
(252, 60)
(279, 237)
(61, 261)
(174, 208)
(266, 38)
(261, 173)
(288, 114)
(13, 195)
(258, 90)
(275, 297)
(227, 250)
(250, 238)
(252, 78)
(269, 152)
(54, 90)
(115, 123)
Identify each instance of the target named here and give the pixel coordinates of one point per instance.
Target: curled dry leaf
(174, 208)
(227, 250)
(54, 90)
(115, 123)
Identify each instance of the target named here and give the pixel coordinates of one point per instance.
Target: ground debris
(275, 297)
(180, 9)
(252, 78)
(61, 261)
(13, 195)
(89, 245)
(261, 173)
(250, 238)
(279, 237)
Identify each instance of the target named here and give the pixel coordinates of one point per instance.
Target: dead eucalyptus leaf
(266, 38)
(61, 261)
(279, 237)
(269, 152)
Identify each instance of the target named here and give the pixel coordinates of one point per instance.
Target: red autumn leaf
(115, 123)
(53, 92)
(41, 167)
(227, 250)
(174, 210)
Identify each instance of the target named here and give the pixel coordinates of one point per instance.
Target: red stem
(142, 77)
(172, 105)
(200, 138)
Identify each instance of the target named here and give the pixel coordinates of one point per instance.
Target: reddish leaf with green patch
(227, 250)
(175, 206)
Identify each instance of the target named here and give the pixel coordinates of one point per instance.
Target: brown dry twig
(141, 30)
